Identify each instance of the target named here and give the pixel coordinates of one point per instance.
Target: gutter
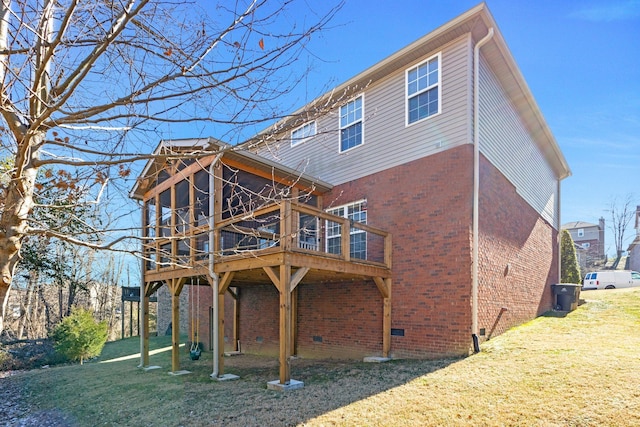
(476, 189)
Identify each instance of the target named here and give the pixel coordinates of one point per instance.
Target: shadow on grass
(556, 313)
(118, 393)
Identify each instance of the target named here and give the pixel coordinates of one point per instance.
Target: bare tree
(85, 84)
(622, 212)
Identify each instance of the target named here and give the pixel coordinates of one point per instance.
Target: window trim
(438, 85)
(345, 208)
(340, 127)
(299, 140)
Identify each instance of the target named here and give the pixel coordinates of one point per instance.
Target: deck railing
(284, 226)
(296, 227)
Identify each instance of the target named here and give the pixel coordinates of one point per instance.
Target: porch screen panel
(165, 213)
(182, 219)
(201, 194)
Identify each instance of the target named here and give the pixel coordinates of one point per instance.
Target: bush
(570, 270)
(79, 336)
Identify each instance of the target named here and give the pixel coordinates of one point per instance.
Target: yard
(579, 370)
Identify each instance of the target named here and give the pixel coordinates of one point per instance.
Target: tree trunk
(47, 307)
(13, 222)
(71, 298)
(26, 315)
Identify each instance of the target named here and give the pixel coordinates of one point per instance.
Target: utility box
(567, 296)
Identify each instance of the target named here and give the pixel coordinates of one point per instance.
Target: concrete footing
(177, 373)
(151, 368)
(375, 359)
(293, 385)
(225, 377)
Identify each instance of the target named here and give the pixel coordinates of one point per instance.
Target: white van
(611, 279)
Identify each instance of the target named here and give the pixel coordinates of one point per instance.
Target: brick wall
(164, 310)
(205, 314)
(259, 319)
(426, 204)
(518, 256)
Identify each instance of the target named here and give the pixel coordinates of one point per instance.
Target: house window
(580, 232)
(303, 133)
(423, 90)
(351, 124)
(356, 212)
(586, 245)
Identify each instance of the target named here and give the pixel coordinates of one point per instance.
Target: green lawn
(578, 370)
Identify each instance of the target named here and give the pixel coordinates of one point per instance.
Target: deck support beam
(175, 288)
(285, 324)
(384, 286)
(287, 283)
(149, 289)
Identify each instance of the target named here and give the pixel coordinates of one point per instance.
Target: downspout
(212, 273)
(476, 189)
(559, 242)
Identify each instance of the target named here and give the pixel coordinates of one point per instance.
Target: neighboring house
(589, 237)
(633, 258)
(582, 256)
(428, 219)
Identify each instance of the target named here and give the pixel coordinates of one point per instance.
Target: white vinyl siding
(389, 142)
(507, 143)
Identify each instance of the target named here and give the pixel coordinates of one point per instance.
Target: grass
(579, 370)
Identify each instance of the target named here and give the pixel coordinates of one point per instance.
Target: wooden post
(122, 316)
(236, 320)
(386, 326)
(220, 320)
(345, 241)
(175, 287)
(285, 323)
(294, 321)
(384, 286)
(138, 325)
(286, 225)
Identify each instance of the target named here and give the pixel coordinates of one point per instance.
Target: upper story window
(303, 133)
(423, 90)
(580, 232)
(351, 127)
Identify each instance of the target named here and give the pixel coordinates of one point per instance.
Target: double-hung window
(304, 132)
(351, 126)
(423, 90)
(356, 212)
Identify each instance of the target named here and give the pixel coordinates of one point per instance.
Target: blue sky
(581, 60)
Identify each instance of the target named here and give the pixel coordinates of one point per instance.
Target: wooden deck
(284, 244)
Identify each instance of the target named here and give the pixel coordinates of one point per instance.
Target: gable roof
(578, 224)
(476, 21)
(199, 146)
